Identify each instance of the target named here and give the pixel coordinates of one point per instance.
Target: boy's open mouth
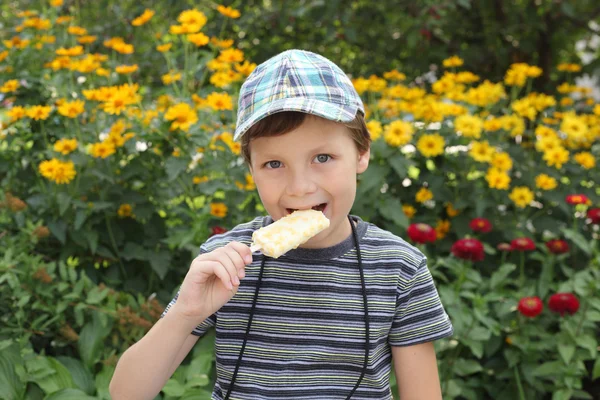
(318, 207)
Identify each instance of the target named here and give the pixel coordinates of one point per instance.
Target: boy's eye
(322, 158)
(273, 164)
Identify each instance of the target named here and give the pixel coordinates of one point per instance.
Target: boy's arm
(416, 372)
(145, 367)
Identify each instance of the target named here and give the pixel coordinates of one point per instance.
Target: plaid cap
(296, 80)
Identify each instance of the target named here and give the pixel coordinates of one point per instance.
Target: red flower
(563, 303)
(480, 225)
(530, 306)
(504, 246)
(468, 249)
(594, 215)
(557, 246)
(522, 244)
(217, 230)
(575, 199)
(421, 233)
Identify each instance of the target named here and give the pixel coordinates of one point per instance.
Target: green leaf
(589, 343)
(70, 394)
(578, 239)
(91, 339)
(596, 369)
(92, 238)
(371, 178)
(160, 262)
(480, 333)
(80, 218)
(398, 163)
(566, 352)
(103, 382)
(548, 369)
(175, 166)
(464, 367)
(64, 201)
(82, 378)
(134, 251)
(173, 388)
(562, 394)
(95, 296)
(392, 210)
(59, 379)
(59, 230)
(11, 387)
(501, 274)
(196, 394)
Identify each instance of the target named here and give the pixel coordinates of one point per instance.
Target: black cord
(364, 293)
(239, 361)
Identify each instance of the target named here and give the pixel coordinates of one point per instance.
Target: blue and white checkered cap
(296, 80)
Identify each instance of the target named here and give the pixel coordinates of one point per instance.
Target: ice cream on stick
(288, 232)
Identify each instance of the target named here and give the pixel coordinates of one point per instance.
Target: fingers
(221, 272)
(242, 250)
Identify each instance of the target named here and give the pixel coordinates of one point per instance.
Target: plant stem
(583, 311)
(522, 267)
(519, 384)
(114, 246)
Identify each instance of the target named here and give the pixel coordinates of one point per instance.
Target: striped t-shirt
(307, 338)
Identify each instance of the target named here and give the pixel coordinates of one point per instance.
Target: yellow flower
(569, 67)
(171, 77)
(77, 30)
(70, 52)
(231, 55)
(9, 86)
(423, 195)
(3, 55)
(431, 145)
(219, 101)
(245, 68)
(218, 210)
(566, 101)
(102, 150)
(71, 109)
(125, 210)
(502, 161)
(453, 61)
(574, 127)
(375, 129)
(142, 19)
(126, 69)
(521, 196)
(228, 12)
(497, 179)
(56, 3)
(585, 159)
(545, 182)
(86, 39)
(65, 146)
(250, 185)
(481, 151)
(199, 39)
(63, 19)
(164, 47)
(182, 115)
(394, 75)
(451, 211)
(38, 112)
(58, 171)
(191, 21)
(469, 126)
(442, 228)
(16, 113)
(398, 133)
(492, 124)
(597, 109)
(409, 210)
(223, 44)
(199, 179)
(556, 157)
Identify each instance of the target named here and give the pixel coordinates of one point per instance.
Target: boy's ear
(363, 161)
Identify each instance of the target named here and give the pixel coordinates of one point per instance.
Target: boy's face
(313, 166)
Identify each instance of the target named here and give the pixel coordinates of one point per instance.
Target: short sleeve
(420, 316)
(201, 329)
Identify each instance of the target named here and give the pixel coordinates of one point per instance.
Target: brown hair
(283, 122)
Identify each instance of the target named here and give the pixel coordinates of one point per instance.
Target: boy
(326, 320)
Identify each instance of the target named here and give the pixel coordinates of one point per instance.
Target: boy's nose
(299, 184)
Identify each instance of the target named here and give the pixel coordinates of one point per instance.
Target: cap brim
(332, 112)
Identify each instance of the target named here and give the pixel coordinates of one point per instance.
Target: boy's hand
(212, 280)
